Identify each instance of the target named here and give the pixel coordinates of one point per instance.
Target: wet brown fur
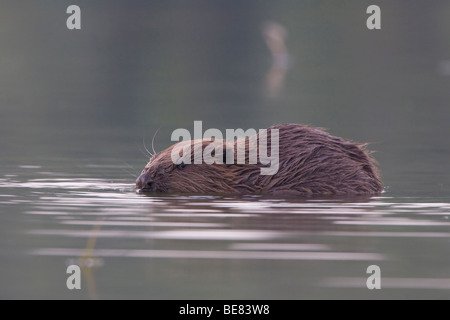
(311, 163)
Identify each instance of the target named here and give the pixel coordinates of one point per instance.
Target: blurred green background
(136, 66)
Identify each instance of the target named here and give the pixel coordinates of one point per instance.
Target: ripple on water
(114, 222)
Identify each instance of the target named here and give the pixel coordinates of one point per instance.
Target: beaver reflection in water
(311, 163)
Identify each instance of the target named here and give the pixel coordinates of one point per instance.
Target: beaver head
(311, 162)
(162, 174)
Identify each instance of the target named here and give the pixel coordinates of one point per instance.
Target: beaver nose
(144, 182)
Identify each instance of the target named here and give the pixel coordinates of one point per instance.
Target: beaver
(311, 163)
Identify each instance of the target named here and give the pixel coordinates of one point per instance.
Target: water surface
(167, 246)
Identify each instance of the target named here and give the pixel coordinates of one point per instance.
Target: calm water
(75, 107)
(138, 246)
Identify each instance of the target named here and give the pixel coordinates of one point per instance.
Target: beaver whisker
(142, 151)
(131, 167)
(153, 140)
(145, 147)
(128, 172)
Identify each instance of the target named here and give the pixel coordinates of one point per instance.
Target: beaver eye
(181, 165)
